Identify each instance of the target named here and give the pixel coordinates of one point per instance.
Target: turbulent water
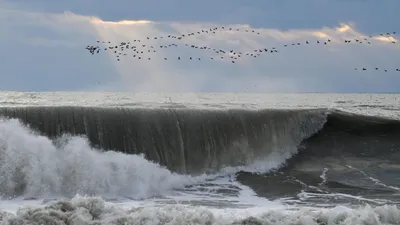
(120, 158)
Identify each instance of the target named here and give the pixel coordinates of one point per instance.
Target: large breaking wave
(62, 152)
(185, 141)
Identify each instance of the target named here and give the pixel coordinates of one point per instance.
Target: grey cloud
(369, 15)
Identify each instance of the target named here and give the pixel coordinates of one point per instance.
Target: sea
(88, 158)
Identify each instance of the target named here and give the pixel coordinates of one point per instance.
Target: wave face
(185, 141)
(63, 152)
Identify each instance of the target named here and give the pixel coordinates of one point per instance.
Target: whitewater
(199, 158)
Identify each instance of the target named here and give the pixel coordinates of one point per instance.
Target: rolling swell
(183, 140)
(350, 134)
(353, 154)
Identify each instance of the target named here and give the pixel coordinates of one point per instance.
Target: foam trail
(33, 166)
(376, 181)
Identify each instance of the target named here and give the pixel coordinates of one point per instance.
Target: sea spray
(34, 166)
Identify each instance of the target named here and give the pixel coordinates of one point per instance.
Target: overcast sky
(42, 45)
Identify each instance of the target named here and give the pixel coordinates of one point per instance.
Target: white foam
(214, 196)
(33, 166)
(82, 210)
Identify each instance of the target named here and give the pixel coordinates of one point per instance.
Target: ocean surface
(243, 159)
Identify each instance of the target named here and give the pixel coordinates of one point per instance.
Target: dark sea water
(96, 164)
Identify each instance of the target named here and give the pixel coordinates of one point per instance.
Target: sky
(42, 45)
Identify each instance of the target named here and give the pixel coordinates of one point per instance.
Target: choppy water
(120, 158)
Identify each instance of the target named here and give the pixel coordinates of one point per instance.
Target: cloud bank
(46, 52)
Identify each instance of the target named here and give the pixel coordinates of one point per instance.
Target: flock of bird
(140, 49)
(376, 68)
